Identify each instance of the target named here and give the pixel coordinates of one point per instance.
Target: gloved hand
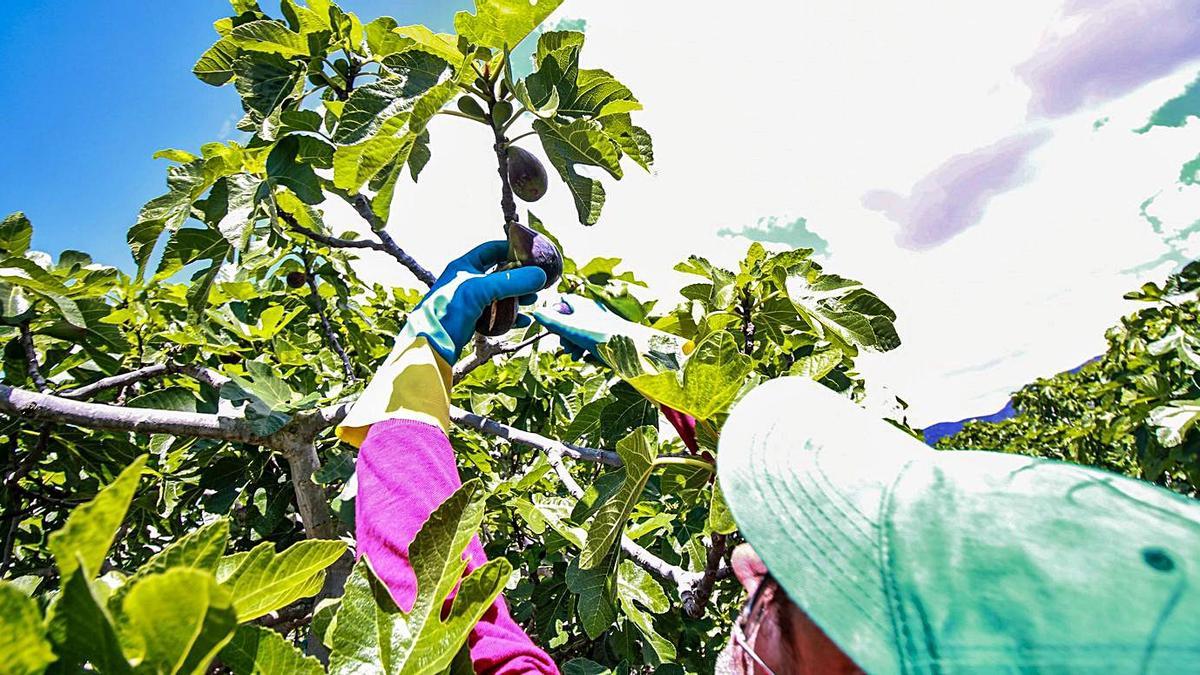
(447, 314)
(582, 323)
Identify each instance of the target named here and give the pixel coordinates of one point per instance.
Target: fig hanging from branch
(526, 174)
(525, 247)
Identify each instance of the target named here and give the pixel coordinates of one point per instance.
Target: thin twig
(494, 428)
(30, 460)
(326, 327)
(385, 244)
(332, 242)
(485, 349)
(514, 139)
(121, 380)
(363, 206)
(684, 579)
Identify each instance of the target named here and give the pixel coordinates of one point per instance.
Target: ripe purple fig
(498, 318)
(526, 174)
(525, 247)
(528, 247)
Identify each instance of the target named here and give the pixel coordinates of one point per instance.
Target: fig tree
(526, 174)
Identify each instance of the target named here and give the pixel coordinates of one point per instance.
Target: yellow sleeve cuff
(413, 383)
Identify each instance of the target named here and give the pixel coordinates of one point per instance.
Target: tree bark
(311, 501)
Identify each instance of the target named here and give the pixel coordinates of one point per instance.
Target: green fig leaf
(580, 142)
(638, 451)
(372, 634)
(179, 619)
(92, 526)
(264, 581)
(22, 637)
(501, 24)
(255, 650)
(82, 629)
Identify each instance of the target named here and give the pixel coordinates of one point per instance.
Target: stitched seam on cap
(901, 634)
(758, 488)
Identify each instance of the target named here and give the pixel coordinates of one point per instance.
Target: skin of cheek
(787, 639)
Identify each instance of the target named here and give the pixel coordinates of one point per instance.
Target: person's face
(773, 635)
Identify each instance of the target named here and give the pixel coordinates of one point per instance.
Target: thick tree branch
(56, 409)
(331, 335)
(311, 500)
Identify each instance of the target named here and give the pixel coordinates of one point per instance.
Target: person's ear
(749, 569)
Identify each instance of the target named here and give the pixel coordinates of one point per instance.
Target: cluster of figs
(528, 180)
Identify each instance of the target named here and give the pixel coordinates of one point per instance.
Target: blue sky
(93, 89)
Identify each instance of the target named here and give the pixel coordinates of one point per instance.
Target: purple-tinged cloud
(1117, 46)
(954, 196)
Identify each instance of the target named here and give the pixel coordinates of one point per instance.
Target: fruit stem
(507, 205)
(514, 139)
(454, 113)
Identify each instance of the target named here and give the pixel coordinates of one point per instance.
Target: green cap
(914, 560)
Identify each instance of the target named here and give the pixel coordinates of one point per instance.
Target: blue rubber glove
(582, 323)
(446, 316)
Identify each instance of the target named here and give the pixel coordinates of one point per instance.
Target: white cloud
(778, 107)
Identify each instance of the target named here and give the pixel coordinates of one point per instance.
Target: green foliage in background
(1132, 410)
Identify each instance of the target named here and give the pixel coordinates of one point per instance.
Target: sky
(94, 89)
(977, 165)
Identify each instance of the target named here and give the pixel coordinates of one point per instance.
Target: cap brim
(805, 472)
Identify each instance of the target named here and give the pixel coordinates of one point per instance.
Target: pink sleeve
(406, 470)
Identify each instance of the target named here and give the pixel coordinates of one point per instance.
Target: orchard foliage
(1132, 410)
(174, 497)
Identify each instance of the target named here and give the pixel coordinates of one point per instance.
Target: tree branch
(121, 380)
(547, 445)
(31, 360)
(694, 587)
(330, 334)
(332, 242)
(697, 597)
(385, 244)
(507, 205)
(363, 206)
(485, 349)
(311, 501)
(682, 578)
(56, 409)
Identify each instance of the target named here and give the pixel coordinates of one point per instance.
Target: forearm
(406, 469)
